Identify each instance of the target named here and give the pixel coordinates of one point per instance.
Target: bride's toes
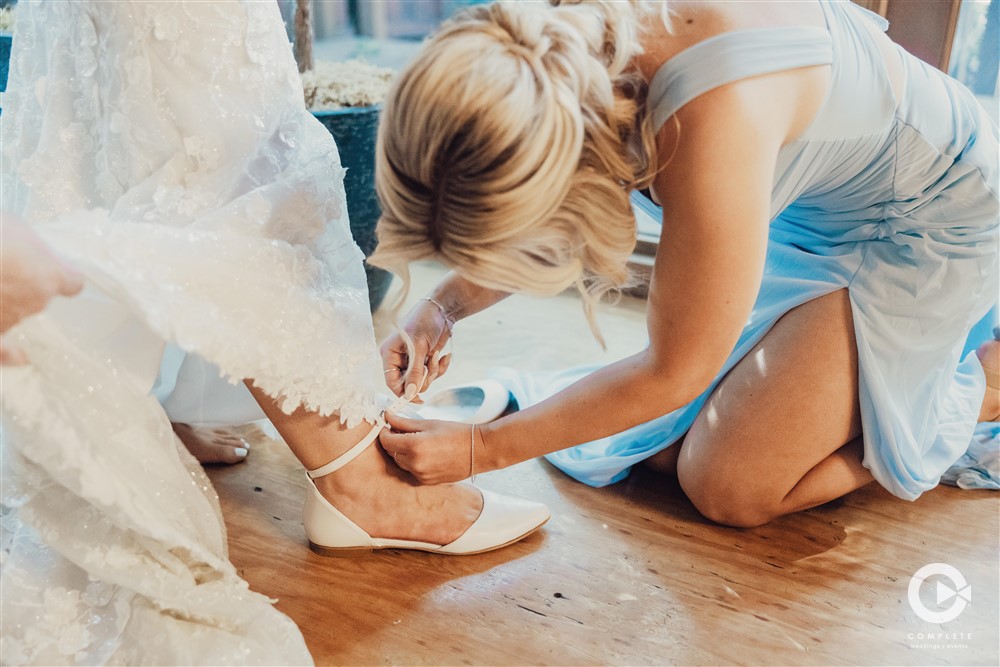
(211, 446)
(230, 453)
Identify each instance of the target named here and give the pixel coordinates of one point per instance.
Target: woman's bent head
(508, 148)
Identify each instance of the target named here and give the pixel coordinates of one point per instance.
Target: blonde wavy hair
(508, 149)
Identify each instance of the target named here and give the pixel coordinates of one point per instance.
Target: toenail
(241, 451)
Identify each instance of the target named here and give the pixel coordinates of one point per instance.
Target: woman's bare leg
(769, 440)
(665, 462)
(371, 490)
(781, 431)
(989, 357)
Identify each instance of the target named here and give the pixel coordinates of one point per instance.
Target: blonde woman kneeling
(829, 240)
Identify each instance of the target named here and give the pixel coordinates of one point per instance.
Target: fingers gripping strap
(411, 354)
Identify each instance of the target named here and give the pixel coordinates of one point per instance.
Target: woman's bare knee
(733, 508)
(722, 494)
(738, 515)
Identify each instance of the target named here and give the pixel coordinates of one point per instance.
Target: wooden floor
(626, 575)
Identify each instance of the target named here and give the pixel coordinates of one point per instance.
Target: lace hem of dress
(113, 547)
(226, 221)
(283, 324)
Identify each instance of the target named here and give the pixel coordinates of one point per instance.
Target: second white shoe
(476, 403)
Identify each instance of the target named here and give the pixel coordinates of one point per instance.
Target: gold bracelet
(472, 455)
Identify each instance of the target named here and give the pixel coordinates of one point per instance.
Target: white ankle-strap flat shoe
(503, 520)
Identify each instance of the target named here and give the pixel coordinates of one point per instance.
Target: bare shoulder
(775, 108)
(745, 122)
(693, 21)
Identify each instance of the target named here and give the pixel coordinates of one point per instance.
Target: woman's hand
(30, 275)
(430, 331)
(434, 452)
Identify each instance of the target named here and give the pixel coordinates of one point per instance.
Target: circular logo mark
(960, 592)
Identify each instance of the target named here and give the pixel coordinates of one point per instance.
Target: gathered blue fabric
(894, 200)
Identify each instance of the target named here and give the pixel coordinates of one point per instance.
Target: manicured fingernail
(411, 389)
(241, 451)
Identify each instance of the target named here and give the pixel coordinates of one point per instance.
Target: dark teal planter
(355, 129)
(5, 42)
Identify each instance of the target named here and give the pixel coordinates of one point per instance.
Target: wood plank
(626, 575)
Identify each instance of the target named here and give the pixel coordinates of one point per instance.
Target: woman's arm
(716, 193)
(462, 298)
(717, 190)
(30, 276)
(428, 324)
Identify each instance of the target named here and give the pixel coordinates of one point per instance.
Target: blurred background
(961, 37)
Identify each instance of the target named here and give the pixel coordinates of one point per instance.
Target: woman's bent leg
(781, 432)
(989, 357)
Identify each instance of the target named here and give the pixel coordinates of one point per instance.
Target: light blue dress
(895, 200)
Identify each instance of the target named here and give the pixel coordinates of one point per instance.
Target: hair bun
(529, 32)
(507, 149)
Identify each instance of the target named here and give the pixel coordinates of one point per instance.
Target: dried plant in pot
(346, 98)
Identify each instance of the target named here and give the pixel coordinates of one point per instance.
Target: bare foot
(386, 501)
(989, 357)
(212, 445)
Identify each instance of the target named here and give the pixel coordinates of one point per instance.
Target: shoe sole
(357, 552)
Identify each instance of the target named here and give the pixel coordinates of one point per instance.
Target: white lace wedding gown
(164, 148)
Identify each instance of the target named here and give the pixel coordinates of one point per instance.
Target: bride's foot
(989, 357)
(362, 501)
(358, 499)
(212, 445)
(386, 502)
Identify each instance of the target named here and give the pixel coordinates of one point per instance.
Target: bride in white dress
(163, 148)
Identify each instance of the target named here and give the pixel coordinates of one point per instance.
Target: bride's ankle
(360, 479)
(384, 501)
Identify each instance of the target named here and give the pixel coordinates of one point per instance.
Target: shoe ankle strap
(350, 454)
(380, 424)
